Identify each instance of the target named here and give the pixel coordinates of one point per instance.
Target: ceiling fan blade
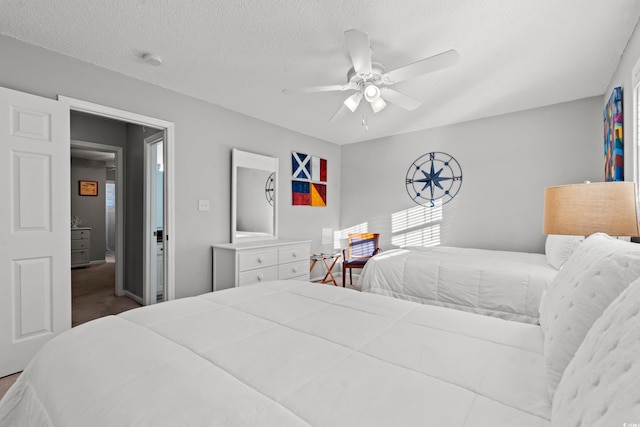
(427, 65)
(313, 89)
(358, 46)
(399, 99)
(339, 113)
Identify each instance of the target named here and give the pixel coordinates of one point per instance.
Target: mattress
(508, 285)
(286, 353)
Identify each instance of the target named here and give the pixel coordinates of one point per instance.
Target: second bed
(508, 285)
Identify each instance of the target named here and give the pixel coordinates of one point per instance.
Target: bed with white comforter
(504, 284)
(287, 353)
(292, 353)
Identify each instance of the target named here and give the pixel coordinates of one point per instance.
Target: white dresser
(247, 263)
(80, 247)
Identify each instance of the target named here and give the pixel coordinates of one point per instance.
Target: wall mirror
(254, 211)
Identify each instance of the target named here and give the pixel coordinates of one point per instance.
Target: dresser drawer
(248, 260)
(80, 234)
(258, 275)
(80, 244)
(293, 253)
(80, 257)
(293, 269)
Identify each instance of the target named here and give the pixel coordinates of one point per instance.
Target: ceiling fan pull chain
(364, 122)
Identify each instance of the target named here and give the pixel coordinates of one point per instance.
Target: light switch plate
(203, 205)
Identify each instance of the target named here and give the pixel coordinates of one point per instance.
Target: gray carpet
(93, 293)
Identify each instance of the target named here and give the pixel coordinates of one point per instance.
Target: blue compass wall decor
(434, 178)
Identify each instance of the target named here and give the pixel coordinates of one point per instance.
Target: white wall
(627, 74)
(205, 135)
(506, 161)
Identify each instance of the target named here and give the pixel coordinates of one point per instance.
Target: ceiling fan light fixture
(372, 93)
(378, 105)
(353, 101)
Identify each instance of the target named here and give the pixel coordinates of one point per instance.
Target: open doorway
(135, 246)
(127, 205)
(96, 219)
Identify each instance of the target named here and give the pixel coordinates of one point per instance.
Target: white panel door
(35, 246)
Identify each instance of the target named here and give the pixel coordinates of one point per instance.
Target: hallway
(92, 293)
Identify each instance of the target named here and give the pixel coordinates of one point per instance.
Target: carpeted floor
(92, 296)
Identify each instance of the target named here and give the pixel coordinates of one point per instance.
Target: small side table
(325, 258)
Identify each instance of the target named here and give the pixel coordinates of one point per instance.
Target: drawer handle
(260, 260)
(294, 270)
(294, 254)
(260, 277)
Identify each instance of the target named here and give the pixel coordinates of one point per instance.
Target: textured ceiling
(240, 54)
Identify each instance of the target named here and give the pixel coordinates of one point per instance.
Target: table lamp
(584, 209)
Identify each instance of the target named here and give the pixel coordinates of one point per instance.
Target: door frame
(150, 256)
(118, 151)
(169, 188)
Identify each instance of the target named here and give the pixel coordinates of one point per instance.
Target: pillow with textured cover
(600, 385)
(597, 272)
(558, 248)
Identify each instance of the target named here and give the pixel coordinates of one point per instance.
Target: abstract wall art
(309, 177)
(613, 138)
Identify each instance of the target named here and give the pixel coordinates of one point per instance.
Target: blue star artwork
(434, 179)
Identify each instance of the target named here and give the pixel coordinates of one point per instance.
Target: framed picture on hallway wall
(88, 188)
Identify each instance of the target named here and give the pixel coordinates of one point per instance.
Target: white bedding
(503, 284)
(286, 353)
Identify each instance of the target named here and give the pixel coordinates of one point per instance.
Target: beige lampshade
(584, 209)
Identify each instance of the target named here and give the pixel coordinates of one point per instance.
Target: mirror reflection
(254, 215)
(253, 197)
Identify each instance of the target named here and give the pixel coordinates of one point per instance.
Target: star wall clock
(434, 178)
(269, 189)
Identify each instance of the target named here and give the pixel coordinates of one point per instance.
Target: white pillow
(558, 248)
(600, 385)
(594, 275)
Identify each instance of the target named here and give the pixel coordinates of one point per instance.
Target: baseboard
(99, 261)
(134, 297)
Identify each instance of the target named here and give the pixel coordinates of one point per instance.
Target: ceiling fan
(370, 81)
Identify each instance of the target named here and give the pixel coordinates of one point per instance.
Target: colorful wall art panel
(309, 177)
(301, 165)
(613, 138)
(301, 192)
(318, 194)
